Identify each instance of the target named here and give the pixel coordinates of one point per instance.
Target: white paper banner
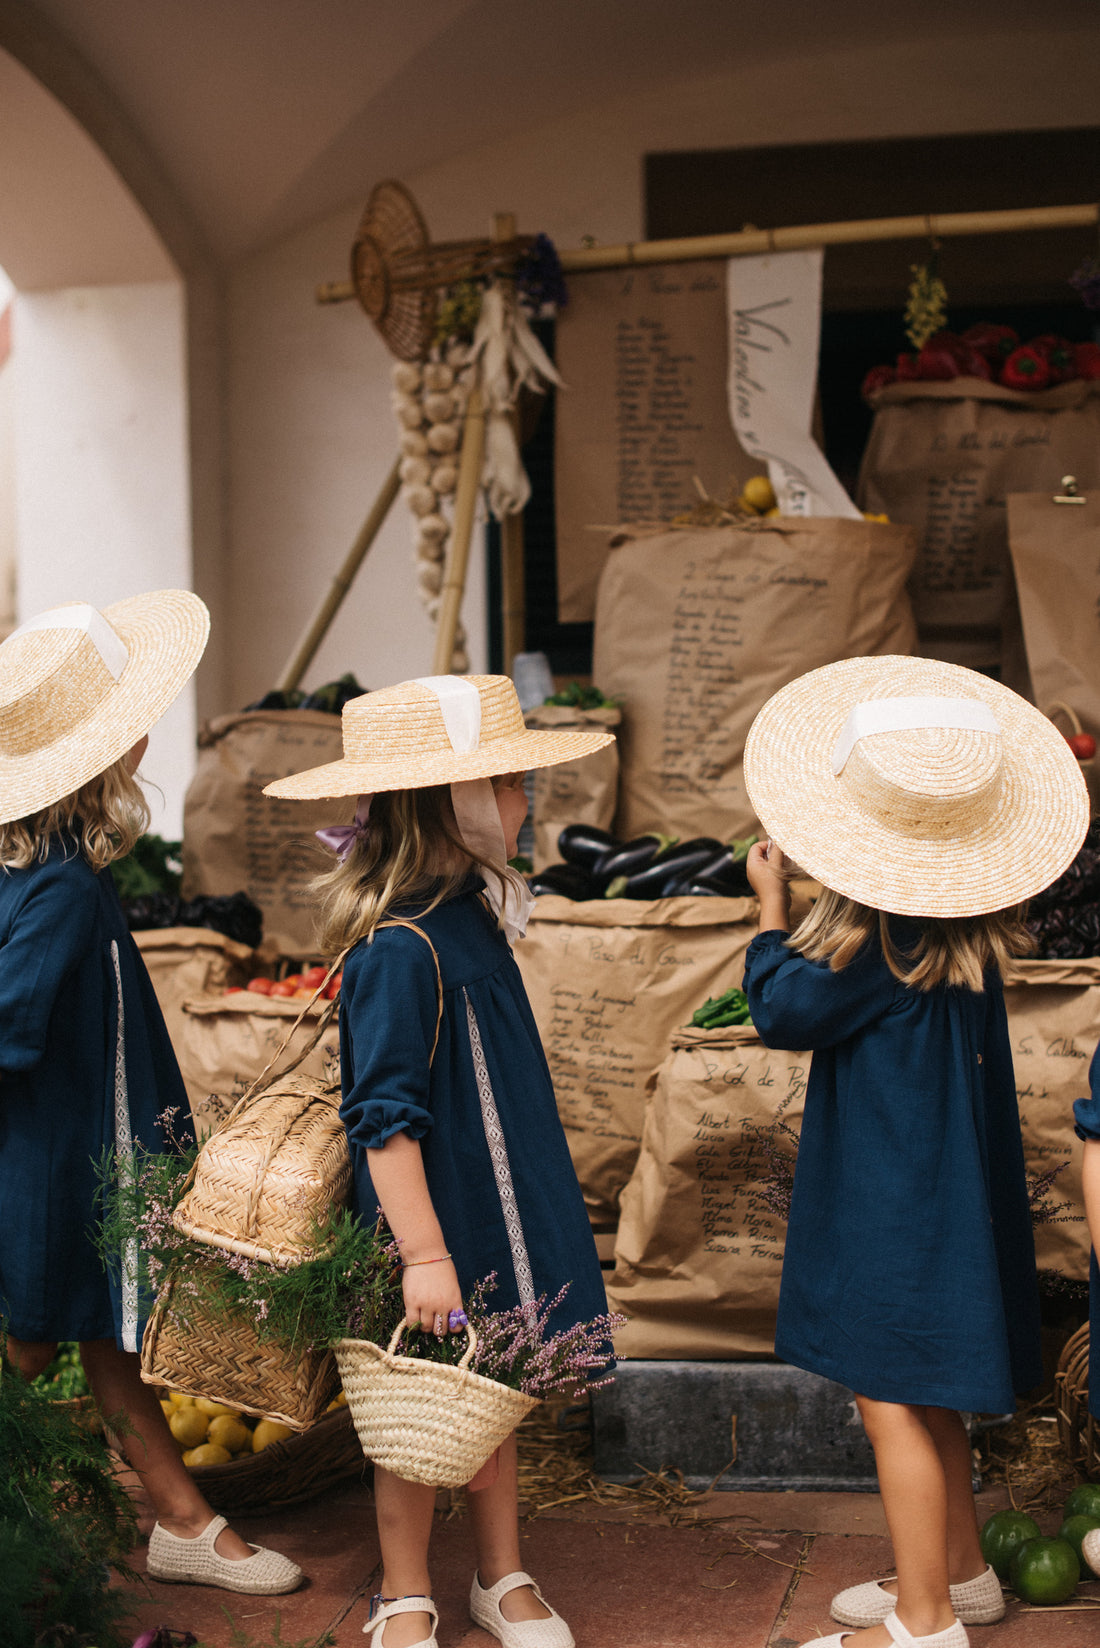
(774, 327)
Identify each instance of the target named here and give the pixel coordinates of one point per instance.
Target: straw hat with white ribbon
(915, 786)
(438, 729)
(79, 687)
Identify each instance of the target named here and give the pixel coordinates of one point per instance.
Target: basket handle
(1059, 706)
(471, 1341)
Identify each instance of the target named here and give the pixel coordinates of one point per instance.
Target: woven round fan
(397, 272)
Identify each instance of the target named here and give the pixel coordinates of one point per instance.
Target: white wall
(101, 478)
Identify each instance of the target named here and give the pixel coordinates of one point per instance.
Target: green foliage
(64, 1523)
(65, 1378)
(576, 696)
(153, 866)
(926, 309)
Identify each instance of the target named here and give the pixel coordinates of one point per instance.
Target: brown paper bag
(573, 792)
(235, 838)
(189, 961)
(700, 1243)
(609, 981)
(226, 1041)
(942, 458)
(1056, 556)
(1054, 1022)
(695, 629)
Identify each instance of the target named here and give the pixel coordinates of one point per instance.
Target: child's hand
(768, 871)
(431, 1293)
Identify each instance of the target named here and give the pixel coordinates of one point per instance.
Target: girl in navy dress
(86, 1066)
(457, 1140)
(1086, 1114)
(929, 802)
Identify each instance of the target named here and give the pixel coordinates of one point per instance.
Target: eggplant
(671, 867)
(565, 880)
(630, 856)
(728, 866)
(585, 844)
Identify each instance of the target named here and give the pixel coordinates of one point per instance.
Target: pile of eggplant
(595, 864)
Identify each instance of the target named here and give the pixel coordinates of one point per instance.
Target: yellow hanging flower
(926, 309)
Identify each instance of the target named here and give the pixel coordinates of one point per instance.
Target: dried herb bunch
(351, 1288)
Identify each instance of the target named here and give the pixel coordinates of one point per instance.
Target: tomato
(233, 990)
(1044, 1571)
(313, 976)
(332, 989)
(1002, 1535)
(1083, 745)
(260, 986)
(285, 988)
(293, 978)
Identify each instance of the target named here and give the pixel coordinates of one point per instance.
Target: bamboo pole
(512, 592)
(458, 554)
(750, 242)
(315, 631)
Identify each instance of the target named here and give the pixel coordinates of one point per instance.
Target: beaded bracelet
(406, 1264)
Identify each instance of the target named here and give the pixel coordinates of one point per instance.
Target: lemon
(268, 1431)
(337, 1402)
(166, 1407)
(178, 1400)
(207, 1453)
(212, 1409)
(188, 1426)
(757, 493)
(227, 1431)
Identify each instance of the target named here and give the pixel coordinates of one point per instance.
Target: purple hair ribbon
(341, 838)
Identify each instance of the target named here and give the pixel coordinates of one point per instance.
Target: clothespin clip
(1069, 493)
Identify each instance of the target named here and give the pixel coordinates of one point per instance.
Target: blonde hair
(104, 817)
(949, 949)
(410, 852)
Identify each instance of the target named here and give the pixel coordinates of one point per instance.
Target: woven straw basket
(1078, 1431)
(424, 1421)
(271, 1174)
(223, 1358)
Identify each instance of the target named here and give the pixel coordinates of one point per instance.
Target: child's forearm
(1090, 1184)
(397, 1174)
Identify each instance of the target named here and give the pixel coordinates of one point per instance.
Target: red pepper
(969, 361)
(1058, 352)
(937, 362)
(879, 377)
(1026, 368)
(906, 369)
(1086, 358)
(995, 343)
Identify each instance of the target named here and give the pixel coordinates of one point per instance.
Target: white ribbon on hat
(107, 641)
(908, 714)
(475, 807)
(460, 707)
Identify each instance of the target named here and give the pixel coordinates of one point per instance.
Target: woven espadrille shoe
(517, 1633)
(383, 1608)
(196, 1562)
(953, 1637)
(976, 1602)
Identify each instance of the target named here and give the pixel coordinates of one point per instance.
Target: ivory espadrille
(388, 1606)
(517, 1633)
(953, 1637)
(976, 1602)
(196, 1562)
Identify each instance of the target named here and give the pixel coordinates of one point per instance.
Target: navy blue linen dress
(495, 1156)
(1086, 1116)
(66, 961)
(909, 1271)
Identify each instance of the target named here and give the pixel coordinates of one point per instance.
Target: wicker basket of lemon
(243, 1463)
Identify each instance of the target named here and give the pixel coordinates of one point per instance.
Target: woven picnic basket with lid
(427, 1422)
(260, 1186)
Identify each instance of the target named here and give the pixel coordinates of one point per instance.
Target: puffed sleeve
(49, 935)
(1086, 1112)
(800, 1003)
(389, 1004)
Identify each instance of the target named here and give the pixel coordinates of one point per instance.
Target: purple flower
(1086, 281)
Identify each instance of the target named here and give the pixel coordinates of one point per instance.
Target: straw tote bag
(426, 1421)
(278, 1164)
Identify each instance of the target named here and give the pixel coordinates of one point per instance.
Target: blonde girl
(86, 1066)
(928, 801)
(457, 1139)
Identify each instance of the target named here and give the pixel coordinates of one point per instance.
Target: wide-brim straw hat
(398, 739)
(969, 816)
(79, 687)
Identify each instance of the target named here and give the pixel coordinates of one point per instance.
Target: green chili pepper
(731, 1007)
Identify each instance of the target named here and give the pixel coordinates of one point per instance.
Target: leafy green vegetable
(717, 1012)
(154, 866)
(577, 697)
